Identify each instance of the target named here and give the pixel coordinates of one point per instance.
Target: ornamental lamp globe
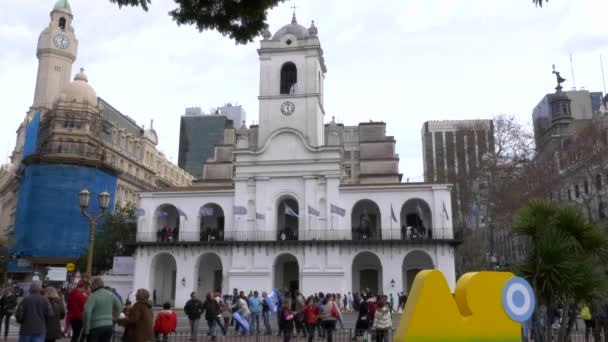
(104, 200)
(83, 198)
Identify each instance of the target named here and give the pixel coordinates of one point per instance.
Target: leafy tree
(565, 254)
(113, 238)
(240, 20)
(493, 187)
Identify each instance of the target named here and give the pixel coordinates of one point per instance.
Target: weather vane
(560, 79)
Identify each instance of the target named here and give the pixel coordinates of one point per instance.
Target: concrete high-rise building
(200, 132)
(452, 148)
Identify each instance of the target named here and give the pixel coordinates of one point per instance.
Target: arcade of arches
(368, 274)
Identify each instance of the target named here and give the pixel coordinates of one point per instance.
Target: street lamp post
(84, 197)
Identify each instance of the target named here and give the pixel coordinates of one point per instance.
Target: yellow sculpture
(487, 306)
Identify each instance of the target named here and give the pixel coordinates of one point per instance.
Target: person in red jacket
(75, 305)
(166, 322)
(311, 316)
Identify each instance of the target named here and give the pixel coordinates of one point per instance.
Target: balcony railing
(228, 236)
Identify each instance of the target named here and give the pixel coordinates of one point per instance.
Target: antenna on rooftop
(572, 71)
(603, 78)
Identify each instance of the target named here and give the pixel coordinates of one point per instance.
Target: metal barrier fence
(338, 335)
(300, 235)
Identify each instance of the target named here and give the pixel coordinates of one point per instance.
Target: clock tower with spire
(56, 52)
(292, 71)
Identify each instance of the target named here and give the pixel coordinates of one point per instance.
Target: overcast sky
(402, 62)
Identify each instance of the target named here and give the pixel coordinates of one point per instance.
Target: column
(239, 222)
(263, 207)
(186, 277)
(308, 222)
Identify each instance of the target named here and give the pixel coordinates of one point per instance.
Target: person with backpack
(193, 309)
(329, 315)
(165, 323)
(383, 321)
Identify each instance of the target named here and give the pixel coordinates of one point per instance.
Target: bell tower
(292, 70)
(56, 52)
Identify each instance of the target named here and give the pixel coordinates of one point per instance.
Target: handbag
(334, 311)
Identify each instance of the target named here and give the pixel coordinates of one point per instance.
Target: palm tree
(565, 255)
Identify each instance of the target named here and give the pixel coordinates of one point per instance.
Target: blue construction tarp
(48, 219)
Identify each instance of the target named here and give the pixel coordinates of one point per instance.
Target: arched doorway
(288, 219)
(367, 273)
(413, 263)
(287, 273)
(167, 223)
(416, 220)
(163, 274)
(212, 222)
(365, 221)
(210, 275)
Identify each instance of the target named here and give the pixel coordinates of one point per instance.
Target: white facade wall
(324, 268)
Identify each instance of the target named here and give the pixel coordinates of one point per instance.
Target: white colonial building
(294, 203)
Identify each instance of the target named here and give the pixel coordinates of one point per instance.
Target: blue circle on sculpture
(518, 299)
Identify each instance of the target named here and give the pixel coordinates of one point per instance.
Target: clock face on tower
(61, 41)
(287, 108)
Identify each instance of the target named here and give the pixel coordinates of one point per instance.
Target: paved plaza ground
(182, 329)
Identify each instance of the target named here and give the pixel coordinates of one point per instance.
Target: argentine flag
(272, 299)
(290, 212)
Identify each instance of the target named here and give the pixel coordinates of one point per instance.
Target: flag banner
(259, 216)
(272, 299)
(337, 210)
(181, 213)
(313, 211)
(420, 213)
(290, 212)
(139, 212)
(472, 215)
(241, 321)
(206, 211)
(393, 214)
(162, 213)
(239, 210)
(445, 212)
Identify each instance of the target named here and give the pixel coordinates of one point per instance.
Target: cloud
(401, 61)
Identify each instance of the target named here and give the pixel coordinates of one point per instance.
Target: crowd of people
(316, 315)
(92, 311)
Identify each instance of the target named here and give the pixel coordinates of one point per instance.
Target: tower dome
(294, 28)
(150, 134)
(63, 5)
(78, 91)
